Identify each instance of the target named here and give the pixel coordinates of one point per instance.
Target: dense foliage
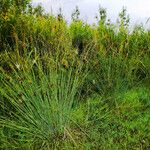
(75, 86)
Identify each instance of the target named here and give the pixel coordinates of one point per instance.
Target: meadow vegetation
(72, 86)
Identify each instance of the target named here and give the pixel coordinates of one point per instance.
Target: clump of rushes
(41, 101)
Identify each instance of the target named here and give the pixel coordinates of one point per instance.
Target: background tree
(19, 5)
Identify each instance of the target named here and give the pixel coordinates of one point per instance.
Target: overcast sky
(139, 10)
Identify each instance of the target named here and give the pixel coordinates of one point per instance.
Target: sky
(139, 10)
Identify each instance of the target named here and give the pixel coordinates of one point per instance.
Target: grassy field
(72, 87)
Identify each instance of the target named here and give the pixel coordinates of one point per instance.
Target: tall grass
(41, 99)
(74, 86)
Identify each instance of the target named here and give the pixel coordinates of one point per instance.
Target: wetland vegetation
(75, 86)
